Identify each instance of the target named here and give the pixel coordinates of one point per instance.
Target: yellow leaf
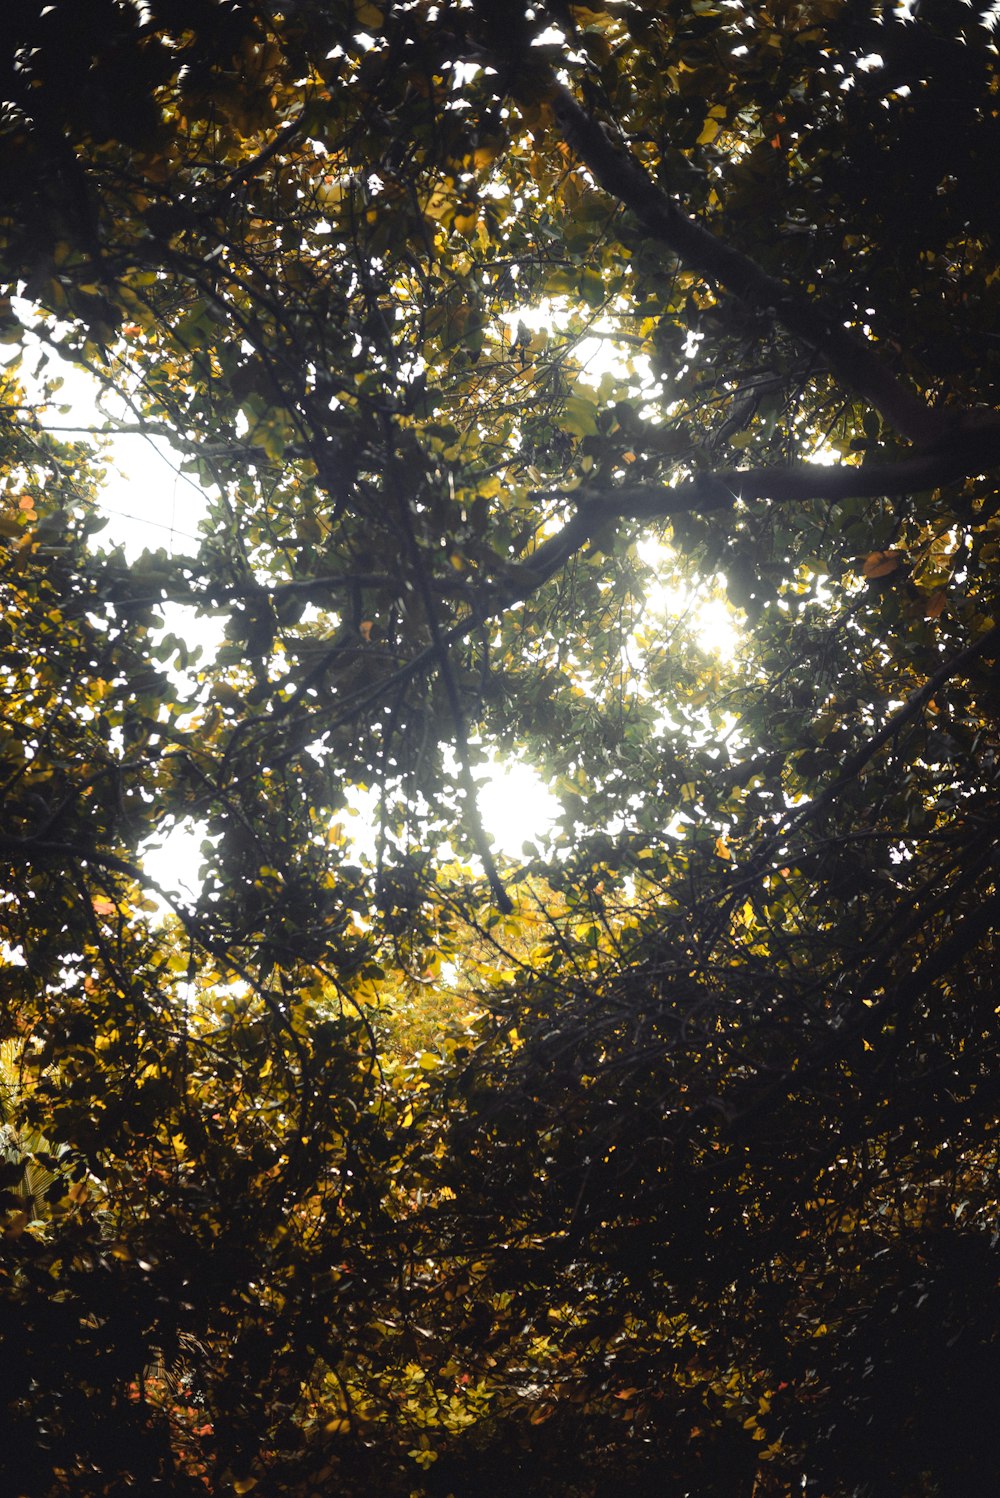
(580, 416)
(308, 528)
(709, 131)
(592, 287)
(721, 848)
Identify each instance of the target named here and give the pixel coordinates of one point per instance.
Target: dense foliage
(662, 1159)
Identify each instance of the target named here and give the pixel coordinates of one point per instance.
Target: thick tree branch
(970, 454)
(849, 357)
(961, 457)
(965, 454)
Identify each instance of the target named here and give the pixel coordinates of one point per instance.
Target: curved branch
(967, 452)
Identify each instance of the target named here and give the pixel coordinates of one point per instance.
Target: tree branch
(965, 453)
(849, 356)
(795, 819)
(441, 652)
(893, 725)
(973, 453)
(284, 137)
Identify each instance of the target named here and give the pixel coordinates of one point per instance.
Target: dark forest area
(657, 1155)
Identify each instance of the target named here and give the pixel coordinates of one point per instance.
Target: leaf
(541, 1413)
(579, 416)
(882, 563)
(592, 287)
(16, 1224)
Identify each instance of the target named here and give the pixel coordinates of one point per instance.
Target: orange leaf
(882, 563)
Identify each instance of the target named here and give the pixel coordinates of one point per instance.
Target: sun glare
(516, 807)
(710, 619)
(146, 499)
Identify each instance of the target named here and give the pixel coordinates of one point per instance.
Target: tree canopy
(662, 1158)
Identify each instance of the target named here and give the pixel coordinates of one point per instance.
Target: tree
(698, 1182)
